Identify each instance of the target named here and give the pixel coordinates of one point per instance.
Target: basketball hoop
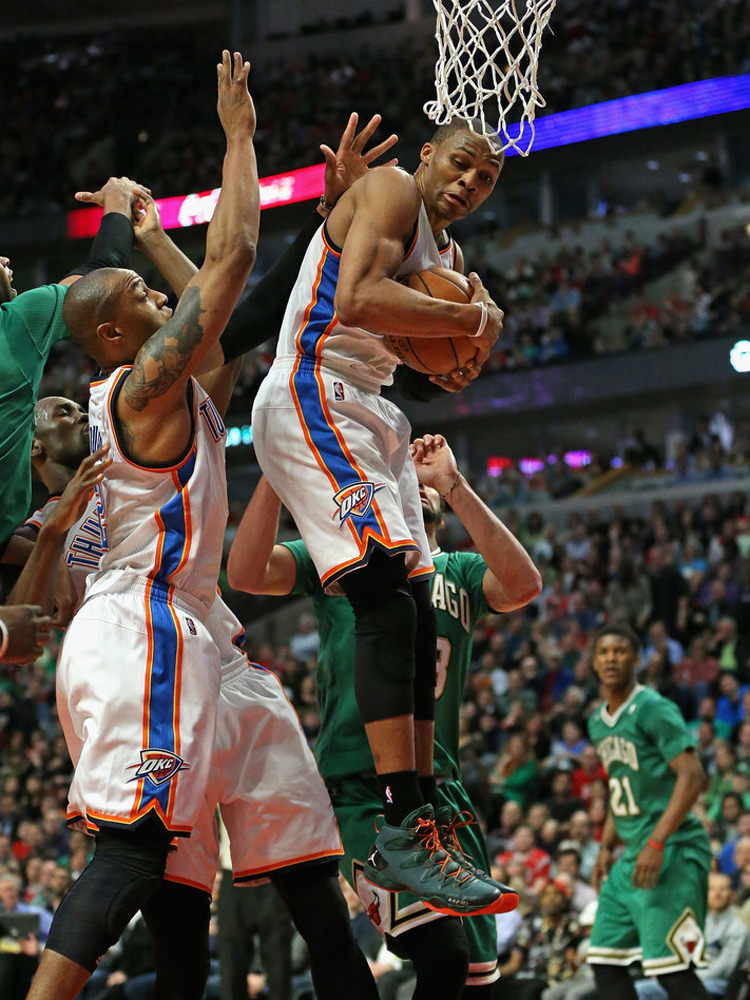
(488, 52)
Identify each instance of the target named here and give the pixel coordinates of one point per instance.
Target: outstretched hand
(350, 161)
(234, 104)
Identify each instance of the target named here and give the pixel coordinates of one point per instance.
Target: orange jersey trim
(255, 872)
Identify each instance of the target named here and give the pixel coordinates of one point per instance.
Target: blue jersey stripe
(162, 695)
(174, 519)
(323, 309)
(308, 391)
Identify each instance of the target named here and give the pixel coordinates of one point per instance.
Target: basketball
(436, 355)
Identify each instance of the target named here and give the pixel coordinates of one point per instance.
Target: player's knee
(125, 871)
(425, 652)
(381, 577)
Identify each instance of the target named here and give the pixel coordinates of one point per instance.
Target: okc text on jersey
(158, 766)
(355, 500)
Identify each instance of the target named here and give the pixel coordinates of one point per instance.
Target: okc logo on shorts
(355, 500)
(159, 766)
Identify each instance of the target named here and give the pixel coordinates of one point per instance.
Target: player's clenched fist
(23, 635)
(234, 103)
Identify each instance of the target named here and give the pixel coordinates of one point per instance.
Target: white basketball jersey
(167, 523)
(311, 327)
(85, 542)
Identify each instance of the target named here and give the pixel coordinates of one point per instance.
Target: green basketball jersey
(635, 746)
(341, 747)
(29, 325)
(459, 600)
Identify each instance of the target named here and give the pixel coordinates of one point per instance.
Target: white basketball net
(488, 53)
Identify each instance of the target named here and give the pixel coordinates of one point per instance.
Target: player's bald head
(60, 433)
(91, 301)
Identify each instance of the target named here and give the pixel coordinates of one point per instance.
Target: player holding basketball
(652, 905)
(338, 456)
(145, 720)
(465, 587)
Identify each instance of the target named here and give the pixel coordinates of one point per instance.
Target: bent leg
(318, 910)
(123, 874)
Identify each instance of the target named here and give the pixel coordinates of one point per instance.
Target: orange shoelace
(428, 835)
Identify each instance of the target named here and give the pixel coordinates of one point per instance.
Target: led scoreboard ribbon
(596, 121)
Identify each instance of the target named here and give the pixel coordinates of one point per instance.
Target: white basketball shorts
(263, 778)
(137, 688)
(338, 458)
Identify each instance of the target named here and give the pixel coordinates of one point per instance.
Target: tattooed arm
(152, 409)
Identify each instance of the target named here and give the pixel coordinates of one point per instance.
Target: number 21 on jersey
(621, 797)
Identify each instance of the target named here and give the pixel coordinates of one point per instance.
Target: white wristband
(483, 320)
(4, 638)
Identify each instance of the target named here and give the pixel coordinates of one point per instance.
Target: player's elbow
(529, 584)
(353, 306)
(694, 775)
(242, 574)
(236, 252)
(515, 594)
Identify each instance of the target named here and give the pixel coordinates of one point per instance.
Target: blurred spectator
(727, 943)
(544, 952)
(562, 802)
(17, 969)
(589, 769)
(524, 858)
(514, 776)
(579, 831)
(569, 863)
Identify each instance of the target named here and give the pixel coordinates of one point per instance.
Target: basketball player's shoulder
(391, 182)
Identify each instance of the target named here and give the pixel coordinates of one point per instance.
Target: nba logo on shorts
(191, 626)
(338, 391)
(159, 766)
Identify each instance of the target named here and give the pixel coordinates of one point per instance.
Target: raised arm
(511, 579)
(155, 244)
(256, 563)
(155, 387)
(372, 221)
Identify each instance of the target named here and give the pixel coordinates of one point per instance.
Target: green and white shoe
(448, 822)
(411, 856)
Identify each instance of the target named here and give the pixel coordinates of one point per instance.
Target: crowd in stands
(554, 304)
(151, 118)
(680, 577)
